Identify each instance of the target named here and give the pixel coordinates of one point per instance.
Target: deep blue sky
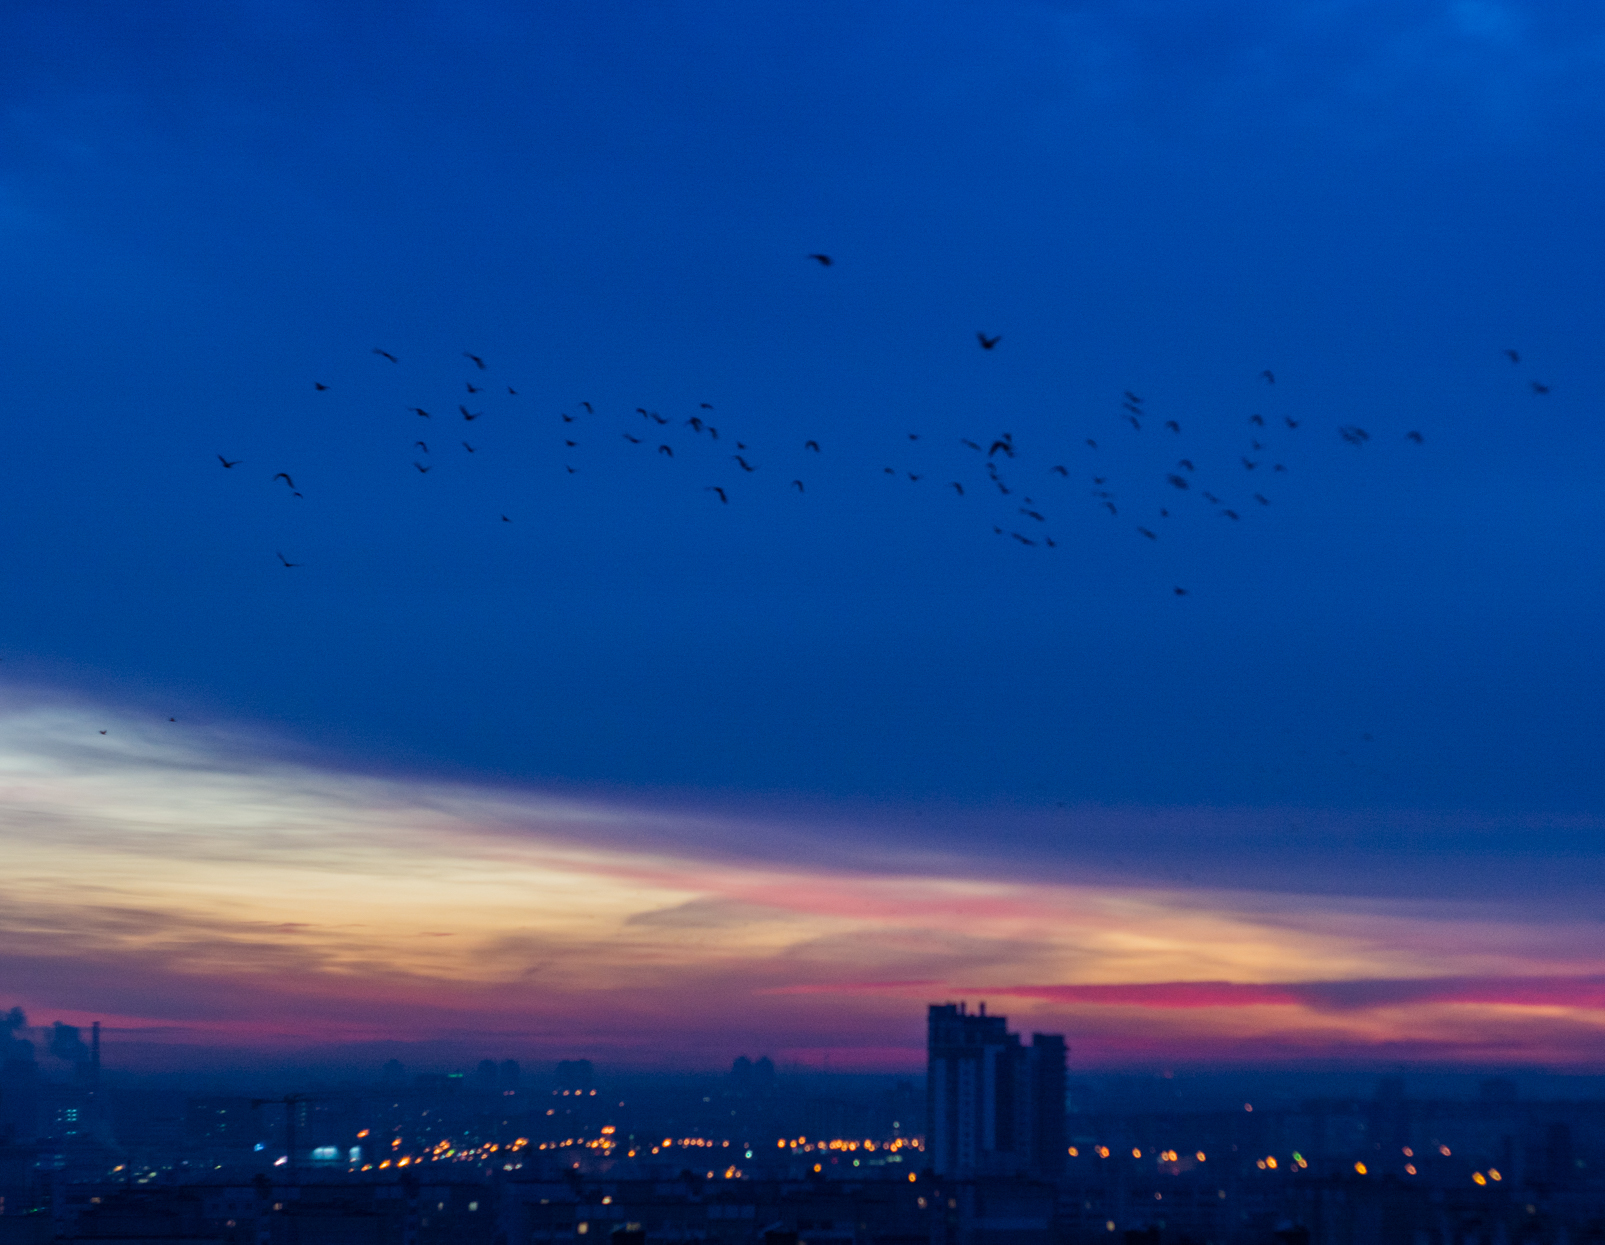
(207, 208)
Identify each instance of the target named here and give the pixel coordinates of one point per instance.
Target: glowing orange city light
(1359, 1169)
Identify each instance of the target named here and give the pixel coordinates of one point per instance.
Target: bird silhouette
(1024, 540)
(987, 342)
(286, 564)
(1181, 592)
(1092, 443)
(385, 354)
(567, 418)
(968, 442)
(1111, 506)
(1135, 410)
(1147, 533)
(1060, 470)
(913, 436)
(1247, 465)
(1032, 514)
(570, 444)
(1354, 435)
(1131, 397)
(1185, 462)
(664, 449)
(1100, 479)
(824, 261)
(799, 485)
(1264, 501)
(1173, 425)
(888, 471)
(714, 488)
(1132, 420)
(469, 415)
(694, 423)
(282, 559)
(468, 447)
(418, 410)
(811, 445)
(957, 486)
(589, 409)
(1001, 445)
(916, 479)
(1270, 376)
(473, 388)
(713, 432)
(320, 387)
(478, 362)
(235, 463)
(1212, 499)
(658, 419)
(511, 391)
(707, 406)
(1179, 481)
(1513, 356)
(632, 440)
(1278, 467)
(422, 470)
(569, 469)
(1413, 436)
(285, 476)
(420, 445)
(1291, 423)
(1257, 419)
(505, 519)
(1230, 514)
(1538, 388)
(744, 464)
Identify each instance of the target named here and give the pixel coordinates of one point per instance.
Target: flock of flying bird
(998, 456)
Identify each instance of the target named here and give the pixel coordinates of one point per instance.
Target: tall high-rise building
(993, 1106)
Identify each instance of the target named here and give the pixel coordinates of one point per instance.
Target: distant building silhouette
(993, 1106)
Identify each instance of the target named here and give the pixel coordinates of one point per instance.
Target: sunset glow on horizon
(209, 896)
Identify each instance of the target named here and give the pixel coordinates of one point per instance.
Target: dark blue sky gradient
(207, 209)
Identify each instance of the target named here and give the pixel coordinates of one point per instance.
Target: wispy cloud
(205, 889)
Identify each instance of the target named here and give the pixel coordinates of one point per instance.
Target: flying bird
(1022, 539)
(824, 261)
(385, 354)
(743, 462)
(916, 479)
(319, 386)
(505, 519)
(1181, 592)
(714, 488)
(1135, 410)
(473, 388)
(1147, 533)
(1132, 420)
(567, 418)
(1007, 448)
(1538, 388)
(418, 410)
(1131, 397)
(571, 444)
(630, 439)
(1413, 436)
(1111, 506)
(1061, 471)
(694, 423)
(799, 485)
(959, 487)
(513, 392)
(1291, 423)
(664, 449)
(1513, 356)
(1354, 435)
(811, 445)
(478, 362)
(589, 409)
(1257, 419)
(282, 559)
(1270, 376)
(1032, 514)
(968, 442)
(420, 445)
(235, 463)
(1248, 465)
(1185, 462)
(423, 470)
(468, 447)
(1212, 499)
(1179, 481)
(1092, 443)
(707, 406)
(467, 414)
(713, 432)
(1264, 501)
(285, 476)
(1173, 425)
(987, 342)
(913, 436)
(1230, 514)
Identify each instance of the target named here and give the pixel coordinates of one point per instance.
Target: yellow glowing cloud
(193, 885)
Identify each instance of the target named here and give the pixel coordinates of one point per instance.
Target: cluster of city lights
(802, 1145)
(1163, 1156)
